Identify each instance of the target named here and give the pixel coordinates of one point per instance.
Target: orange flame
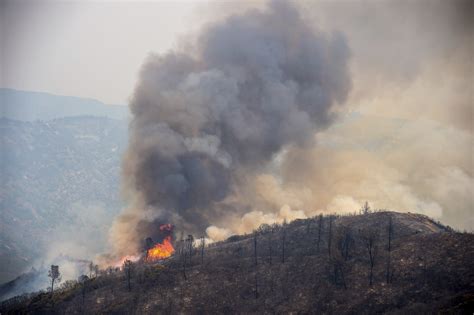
(161, 251)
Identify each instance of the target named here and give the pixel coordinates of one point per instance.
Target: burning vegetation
(160, 250)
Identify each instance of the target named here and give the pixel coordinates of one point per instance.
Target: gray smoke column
(207, 119)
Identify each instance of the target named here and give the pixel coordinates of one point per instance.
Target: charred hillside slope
(382, 262)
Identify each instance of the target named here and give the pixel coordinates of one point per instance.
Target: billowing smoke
(405, 139)
(208, 118)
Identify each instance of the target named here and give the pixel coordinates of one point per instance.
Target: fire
(161, 251)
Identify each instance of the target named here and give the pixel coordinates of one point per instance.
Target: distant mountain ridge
(31, 106)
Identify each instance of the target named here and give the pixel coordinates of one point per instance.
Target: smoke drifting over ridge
(405, 139)
(209, 119)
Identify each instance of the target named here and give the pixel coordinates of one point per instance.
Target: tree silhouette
(320, 228)
(389, 272)
(127, 267)
(55, 276)
(370, 238)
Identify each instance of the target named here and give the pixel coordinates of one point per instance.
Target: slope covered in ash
(320, 265)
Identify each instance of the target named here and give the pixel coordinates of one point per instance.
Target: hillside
(60, 181)
(308, 266)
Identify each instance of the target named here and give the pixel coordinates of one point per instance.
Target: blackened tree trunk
(330, 236)
(255, 247)
(270, 246)
(55, 275)
(388, 274)
(320, 228)
(283, 240)
(369, 238)
(127, 266)
(202, 249)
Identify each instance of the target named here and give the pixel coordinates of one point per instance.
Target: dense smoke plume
(234, 117)
(209, 118)
(404, 140)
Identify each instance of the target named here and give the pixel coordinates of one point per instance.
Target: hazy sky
(89, 49)
(409, 148)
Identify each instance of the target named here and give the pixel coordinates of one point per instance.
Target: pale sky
(87, 49)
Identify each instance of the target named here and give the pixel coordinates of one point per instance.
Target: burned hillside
(368, 263)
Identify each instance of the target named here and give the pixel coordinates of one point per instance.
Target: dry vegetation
(318, 265)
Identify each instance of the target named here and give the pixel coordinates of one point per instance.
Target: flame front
(161, 251)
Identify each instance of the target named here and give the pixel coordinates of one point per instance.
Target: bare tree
(283, 240)
(344, 241)
(330, 236)
(370, 239)
(320, 228)
(127, 267)
(270, 243)
(190, 246)
(365, 208)
(96, 270)
(255, 247)
(203, 244)
(339, 259)
(339, 269)
(55, 276)
(389, 272)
